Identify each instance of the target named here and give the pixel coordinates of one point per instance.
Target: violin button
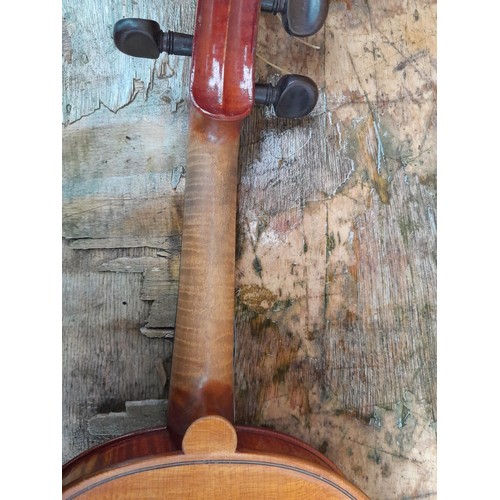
(210, 434)
(300, 17)
(294, 96)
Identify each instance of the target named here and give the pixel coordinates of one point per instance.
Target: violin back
(218, 461)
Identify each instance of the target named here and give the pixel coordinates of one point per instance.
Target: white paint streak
(432, 219)
(380, 147)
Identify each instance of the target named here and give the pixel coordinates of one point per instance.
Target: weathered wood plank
(342, 309)
(97, 77)
(167, 244)
(336, 255)
(137, 415)
(114, 186)
(106, 360)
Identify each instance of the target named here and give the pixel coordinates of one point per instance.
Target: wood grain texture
(202, 377)
(97, 77)
(211, 465)
(105, 359)
(142, 444)
(211, 434)
(336, 253)
(217, 476)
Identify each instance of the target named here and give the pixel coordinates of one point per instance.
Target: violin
(201, 453)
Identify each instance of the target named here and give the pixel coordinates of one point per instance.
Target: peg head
(300, 17)
(298, 96)
(304, 17)
(294, 96)
(138, 37)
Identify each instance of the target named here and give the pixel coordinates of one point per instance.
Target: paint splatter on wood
(336, 254)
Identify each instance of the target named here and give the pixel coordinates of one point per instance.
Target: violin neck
(202, 367)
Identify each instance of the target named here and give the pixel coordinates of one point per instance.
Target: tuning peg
(144, 38)
(294, 96)
(300, 17)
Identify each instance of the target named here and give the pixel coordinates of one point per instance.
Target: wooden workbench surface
(336, 255)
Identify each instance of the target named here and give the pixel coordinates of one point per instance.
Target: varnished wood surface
(336, 235)
(157, 441)
(211, 464)
(238, 476)
(202, 375)
(223, 60)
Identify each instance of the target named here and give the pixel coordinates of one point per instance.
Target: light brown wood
(202, 374)
(228, 476)
(144, 444)
(212, 434)
(210, 468)
(201, 401)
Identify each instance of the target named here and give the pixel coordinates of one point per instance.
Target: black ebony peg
(293, 96)
(144, 38)
(300, 17)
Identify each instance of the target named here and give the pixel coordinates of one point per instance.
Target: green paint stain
(403, 416)
(262, 327)
(330, 242)
(262, 225)
(282, 305)
(406, 228)
(257, 266)
(323, 447)
(373, 455)
(429, 180)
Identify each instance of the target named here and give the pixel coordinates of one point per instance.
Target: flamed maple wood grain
(222, 83)
(202, 367)
(158, 441)
(212, 465)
